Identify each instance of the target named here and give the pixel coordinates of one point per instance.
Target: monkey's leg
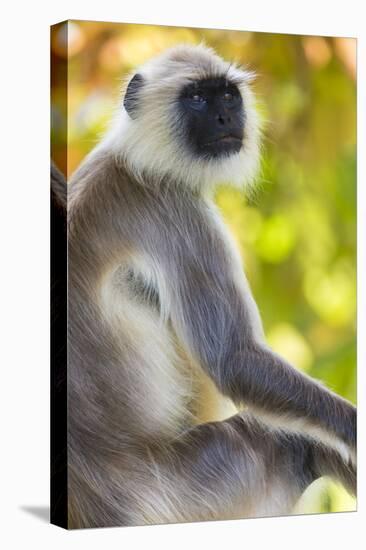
(220, 470)
(243, 468)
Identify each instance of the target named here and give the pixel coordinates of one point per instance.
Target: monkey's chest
(165, 391)
(198, 398)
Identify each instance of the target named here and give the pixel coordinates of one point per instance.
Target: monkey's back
(130, 384)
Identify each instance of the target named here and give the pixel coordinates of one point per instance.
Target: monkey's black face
(214, 117)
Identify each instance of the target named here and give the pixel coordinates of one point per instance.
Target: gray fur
(157, 297)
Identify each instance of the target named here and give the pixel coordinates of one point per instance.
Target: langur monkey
(159, 308)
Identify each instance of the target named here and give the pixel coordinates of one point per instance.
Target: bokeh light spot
(276, 240)
(286, 340)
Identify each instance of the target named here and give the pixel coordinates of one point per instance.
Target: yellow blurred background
(297, 233)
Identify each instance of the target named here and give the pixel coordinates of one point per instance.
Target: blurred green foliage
(297, 233)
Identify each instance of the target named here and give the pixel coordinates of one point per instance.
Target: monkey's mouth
(224, 145)
(228, 139)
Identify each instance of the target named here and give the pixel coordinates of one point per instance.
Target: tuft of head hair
(150, 142)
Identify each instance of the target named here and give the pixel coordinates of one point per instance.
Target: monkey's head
(189, 115)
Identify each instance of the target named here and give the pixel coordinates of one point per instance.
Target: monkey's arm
(213, 314)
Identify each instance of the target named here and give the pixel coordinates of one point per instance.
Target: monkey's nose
(223, 119)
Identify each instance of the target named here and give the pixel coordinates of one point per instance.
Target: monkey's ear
(131, 98)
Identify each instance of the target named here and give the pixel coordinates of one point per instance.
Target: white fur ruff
(151, 144)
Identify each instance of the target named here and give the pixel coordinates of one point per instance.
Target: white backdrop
(24, 233)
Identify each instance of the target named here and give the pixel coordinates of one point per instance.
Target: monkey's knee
(313, 460)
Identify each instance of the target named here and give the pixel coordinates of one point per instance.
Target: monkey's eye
(228, 96)
(197, 97)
